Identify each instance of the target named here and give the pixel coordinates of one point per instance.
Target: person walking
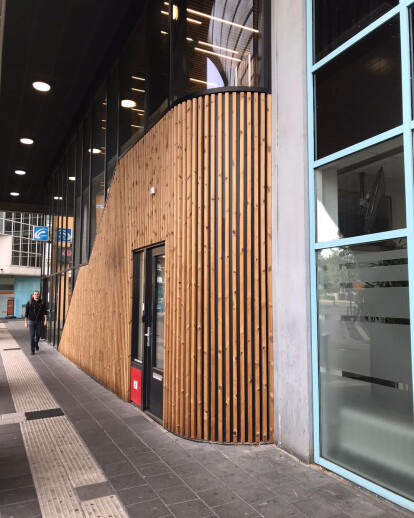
(35, 319)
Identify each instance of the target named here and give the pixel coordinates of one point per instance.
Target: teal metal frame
(406, 131)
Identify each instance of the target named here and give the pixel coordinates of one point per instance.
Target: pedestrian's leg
(38, 334)
(32, 330)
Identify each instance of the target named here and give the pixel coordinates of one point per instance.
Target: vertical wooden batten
(209, 161)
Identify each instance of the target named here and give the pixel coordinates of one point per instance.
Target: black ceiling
(61, 42)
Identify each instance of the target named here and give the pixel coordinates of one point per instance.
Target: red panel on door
(136, 386)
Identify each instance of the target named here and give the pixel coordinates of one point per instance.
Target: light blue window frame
(406, 130)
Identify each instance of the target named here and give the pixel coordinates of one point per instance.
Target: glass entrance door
(154, 336)
(147, 352)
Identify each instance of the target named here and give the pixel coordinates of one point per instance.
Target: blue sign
(40, 233)
(64, 235)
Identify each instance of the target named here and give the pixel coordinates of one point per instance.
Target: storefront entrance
(147, 351)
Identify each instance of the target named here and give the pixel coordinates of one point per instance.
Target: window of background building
(358, 94)
(336, 22)
(216, 44)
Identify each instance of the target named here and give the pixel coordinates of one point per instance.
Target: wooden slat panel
(219, 273)
(234, 259)
(242, 335)
(209, 161)
(213, 310)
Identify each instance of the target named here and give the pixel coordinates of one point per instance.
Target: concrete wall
(5, 250)
(23, 288)
(290, 220)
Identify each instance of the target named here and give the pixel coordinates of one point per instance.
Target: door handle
(148, 334)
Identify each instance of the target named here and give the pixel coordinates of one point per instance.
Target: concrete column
(290, 219)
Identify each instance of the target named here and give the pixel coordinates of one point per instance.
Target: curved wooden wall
(209, 161)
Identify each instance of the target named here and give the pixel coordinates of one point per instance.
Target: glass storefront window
(71, 183)
(112, 111)
(336, 22)
(216, 44)
(98, 151)
(362, 193)
(86, 173)
(366, 407)
(358, 94)
(158, 66)
(133, 85)
(78, 197)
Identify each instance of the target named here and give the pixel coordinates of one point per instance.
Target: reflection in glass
(159, 311)
(86, 173)
(336, 22)
(358, 94)
(221, 42)
(366, 407)
(141, 307)
(158, 41)
(97, 152)
(71, 174)
(78, 199)
(362, 193)
(112, 125)
(132, 87)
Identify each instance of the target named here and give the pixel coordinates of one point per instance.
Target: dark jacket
(36, 311)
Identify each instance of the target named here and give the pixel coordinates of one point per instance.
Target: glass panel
(336, 22)
(71, 180)
(366, 407)
(159, 311)
(112, 125)
(133, 86)
(362, 193)
(98, 163)
(217, 44)
(50, 309)
(78, 200)
(158, 80)
(86, 169)
(141, 307)
(358, 94)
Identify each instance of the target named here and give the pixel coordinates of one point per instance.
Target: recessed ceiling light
(42, 87)
(20, 172)
(26, 141)
(95, 151)
(128, 103)
(72, 178)
(14, 194)
(57, 198)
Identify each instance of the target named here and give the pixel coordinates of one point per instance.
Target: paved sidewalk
(69, 447)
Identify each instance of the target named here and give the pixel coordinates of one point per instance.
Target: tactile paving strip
(27, 389)
(58, 458)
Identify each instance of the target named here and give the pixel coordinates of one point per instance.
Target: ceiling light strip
(203, 15)
(216, 54)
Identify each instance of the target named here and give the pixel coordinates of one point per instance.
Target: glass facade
(361, 167)
(175, 50)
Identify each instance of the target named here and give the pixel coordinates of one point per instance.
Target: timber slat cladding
(209, 161)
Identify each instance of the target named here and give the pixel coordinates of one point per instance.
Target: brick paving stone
(190, 509)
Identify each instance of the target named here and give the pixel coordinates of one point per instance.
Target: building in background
(20, 261)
